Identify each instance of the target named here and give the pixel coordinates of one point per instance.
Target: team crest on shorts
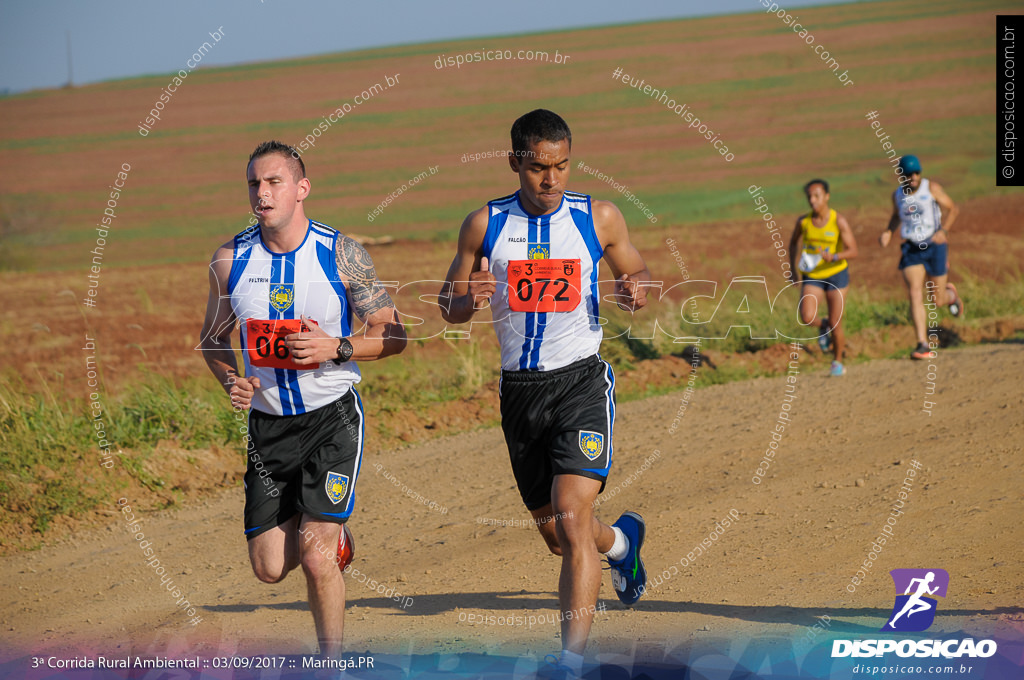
(591, 444)
(282, 296)
(336, 486)
(541, 251)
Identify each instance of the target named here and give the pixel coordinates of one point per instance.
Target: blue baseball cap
(909, 164)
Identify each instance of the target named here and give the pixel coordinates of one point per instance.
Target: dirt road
(843, 456)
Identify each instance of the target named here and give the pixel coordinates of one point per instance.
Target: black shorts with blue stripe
(306, 463)
(558, 422)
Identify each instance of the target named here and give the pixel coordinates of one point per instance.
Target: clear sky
(122, 38)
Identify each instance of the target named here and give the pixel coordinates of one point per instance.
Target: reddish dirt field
(775, 103)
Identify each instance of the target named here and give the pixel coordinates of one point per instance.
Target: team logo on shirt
(541, 251)
(336, 486)
(591, 444)
(282, 296)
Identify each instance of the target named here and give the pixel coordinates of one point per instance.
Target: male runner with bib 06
(294, 285)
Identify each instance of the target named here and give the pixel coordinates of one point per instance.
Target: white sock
(620, 548)
(573, 661)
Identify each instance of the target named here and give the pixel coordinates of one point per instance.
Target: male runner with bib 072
(533, 257)
(294, 284)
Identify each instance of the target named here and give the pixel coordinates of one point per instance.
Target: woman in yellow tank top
(825, 243)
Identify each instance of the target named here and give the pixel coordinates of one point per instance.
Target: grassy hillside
(926, 67)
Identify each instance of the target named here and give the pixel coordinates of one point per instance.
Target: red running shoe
(346, 547)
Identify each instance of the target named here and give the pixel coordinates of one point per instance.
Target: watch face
(345, 349)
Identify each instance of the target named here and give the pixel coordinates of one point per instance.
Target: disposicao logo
(914, 611)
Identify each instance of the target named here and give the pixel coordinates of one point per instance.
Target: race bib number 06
(265, 342)
(543, 285)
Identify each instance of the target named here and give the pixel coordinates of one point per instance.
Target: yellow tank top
(818, 240)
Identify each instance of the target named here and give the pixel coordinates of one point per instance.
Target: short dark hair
(823, 183)
(539, 125)
(274, 146)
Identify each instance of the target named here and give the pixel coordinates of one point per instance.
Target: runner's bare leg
(324, 583)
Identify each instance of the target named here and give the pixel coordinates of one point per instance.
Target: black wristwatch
(345, 350)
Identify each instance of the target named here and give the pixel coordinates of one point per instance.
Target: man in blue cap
(924, 213)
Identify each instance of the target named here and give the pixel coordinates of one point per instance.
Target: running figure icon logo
(913, 610)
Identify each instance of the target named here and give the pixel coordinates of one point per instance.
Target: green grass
(46, 444)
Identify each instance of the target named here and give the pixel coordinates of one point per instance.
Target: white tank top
(546, 257)
(265, 285)
(920, 215)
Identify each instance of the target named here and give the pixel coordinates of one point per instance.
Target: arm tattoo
(365, 292)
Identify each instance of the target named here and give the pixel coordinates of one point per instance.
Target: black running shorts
(558, 422)
(306, 463)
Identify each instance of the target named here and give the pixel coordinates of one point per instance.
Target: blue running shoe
(628, 574)
(825, 336)
(555, 670)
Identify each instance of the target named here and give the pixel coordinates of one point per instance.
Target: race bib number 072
(543, 285)
(265, 342)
